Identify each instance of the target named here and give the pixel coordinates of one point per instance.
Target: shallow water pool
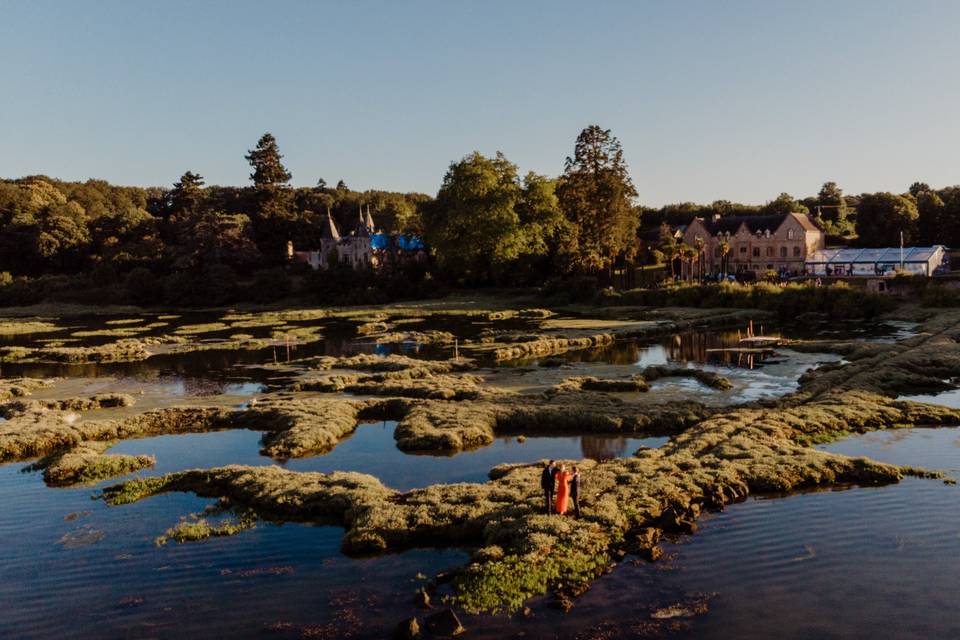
(372, 449)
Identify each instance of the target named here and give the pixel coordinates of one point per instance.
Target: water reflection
(949, 398)
(372, 449)
(604, 448)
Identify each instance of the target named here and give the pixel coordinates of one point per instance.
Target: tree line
(489, 223)
(51, 226)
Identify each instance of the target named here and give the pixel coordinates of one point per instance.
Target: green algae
(199, 529)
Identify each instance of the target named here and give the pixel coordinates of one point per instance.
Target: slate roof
(755, 224)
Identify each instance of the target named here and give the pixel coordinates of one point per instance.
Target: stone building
(739, 244)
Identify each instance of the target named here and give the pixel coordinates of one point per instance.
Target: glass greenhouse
(877, 262)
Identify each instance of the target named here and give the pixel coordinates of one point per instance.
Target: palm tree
(699, 244)
(688, 254)
(724, 250)
(668, 246)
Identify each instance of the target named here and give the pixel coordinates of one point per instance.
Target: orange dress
(563, 490)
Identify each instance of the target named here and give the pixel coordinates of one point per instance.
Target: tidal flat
(412, 459)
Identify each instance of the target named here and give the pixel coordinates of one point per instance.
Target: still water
(854, 563)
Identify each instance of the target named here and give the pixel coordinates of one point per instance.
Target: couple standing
(566, 484)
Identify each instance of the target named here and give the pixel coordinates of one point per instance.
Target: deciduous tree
(881, 217)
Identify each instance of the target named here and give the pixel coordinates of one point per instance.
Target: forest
(488, 224)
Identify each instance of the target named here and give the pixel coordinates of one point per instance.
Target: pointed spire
(361, 230)
(369, 221)
(329, 231)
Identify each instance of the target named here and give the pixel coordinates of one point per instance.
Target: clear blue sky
(735, 100)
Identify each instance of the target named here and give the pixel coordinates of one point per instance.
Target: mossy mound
(590, 383)
(21, 387)
(10, 327)
(99, 401)
(126, 350)
(921, 364)
(388, 364)
(38, 431)
(721, 459)
(708, 378)
(87, 464)
(300, 427)
(409, 383)
(198, 529)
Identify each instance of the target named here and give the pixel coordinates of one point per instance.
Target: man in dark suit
(548, 481)
(575, 491)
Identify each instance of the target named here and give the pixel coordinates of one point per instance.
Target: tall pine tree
(596, 193)
(268, 171)
(274, 217)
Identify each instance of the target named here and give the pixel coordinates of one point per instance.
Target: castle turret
(369, 222)
(362, 231)
(329, 231)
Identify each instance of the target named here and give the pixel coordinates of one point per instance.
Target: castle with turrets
(363, 248)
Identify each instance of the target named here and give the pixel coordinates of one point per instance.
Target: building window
(789, 234)
(769, 252)
(783, 252)
(756, 252)
(743, 249)
(796, 252)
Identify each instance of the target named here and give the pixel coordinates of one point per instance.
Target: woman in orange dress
(563, 489)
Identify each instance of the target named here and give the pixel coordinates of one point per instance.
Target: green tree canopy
(833, 206)
(595, 193)
(782, 204)
(268, 170)
(933, 225)
(485, 219)
(187, 196)
(881, 217)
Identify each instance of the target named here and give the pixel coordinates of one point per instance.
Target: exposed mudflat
(371, 426)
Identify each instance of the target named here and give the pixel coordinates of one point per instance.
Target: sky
(736, 100)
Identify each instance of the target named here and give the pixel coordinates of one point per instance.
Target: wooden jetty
(751, 340)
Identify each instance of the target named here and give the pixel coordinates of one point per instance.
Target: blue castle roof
(383, 241)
